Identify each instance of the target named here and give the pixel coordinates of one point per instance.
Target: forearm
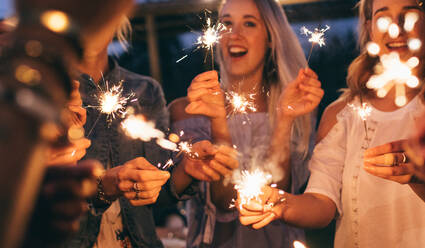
(180, 178)
(222, 195)
(220, 132)
(419, 189)
(280, 151)
(309, 210)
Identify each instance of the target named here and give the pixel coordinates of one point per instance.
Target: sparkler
(250, 185)
(363, 111)
(391, 71)
(315, 37)
(137, 127)
(394, 72)
(211, 35)
(112, 101)
(240, 103)
(298, 244)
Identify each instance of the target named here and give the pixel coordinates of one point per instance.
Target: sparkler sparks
(250, 185)
(316, 37)
(112, 101)
(240, 103)
(137, 127)
(392, 71)
(211, 35)
(298, 244)
(363, 111)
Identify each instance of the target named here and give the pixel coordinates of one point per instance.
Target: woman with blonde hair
(261, 59)
(371, 211)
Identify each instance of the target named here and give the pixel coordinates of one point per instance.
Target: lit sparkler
(240, 103)
(112, 101)
(315, 37)
(137, 127)
(211, 35)
(298, 244)
(250, 185)
(363, 111)
(167, 165)
(391, 71)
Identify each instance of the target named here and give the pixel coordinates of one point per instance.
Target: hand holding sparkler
(213, 162)
(205, 96)
(260, 212)
(137, 180)
(389, 161)
(301, 96)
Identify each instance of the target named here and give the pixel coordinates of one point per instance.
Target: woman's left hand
(259, 213)
(301, 96)
(390, 162)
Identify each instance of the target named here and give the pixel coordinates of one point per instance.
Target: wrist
(101, 196)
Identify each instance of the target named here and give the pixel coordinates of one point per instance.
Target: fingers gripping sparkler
(137, 127)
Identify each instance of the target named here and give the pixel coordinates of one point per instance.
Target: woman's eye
(250, 24)
(227, 23)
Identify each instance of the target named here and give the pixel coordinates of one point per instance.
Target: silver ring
(136, 187)
(404, 158)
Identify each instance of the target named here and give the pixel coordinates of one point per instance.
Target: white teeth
(237, 50)
(397, 44)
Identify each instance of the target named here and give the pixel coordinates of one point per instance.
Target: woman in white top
(370, 211)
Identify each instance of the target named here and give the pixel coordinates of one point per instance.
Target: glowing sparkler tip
(298, 244)
(317, 36)
(373, 49)
(393, 30)
(240, 103)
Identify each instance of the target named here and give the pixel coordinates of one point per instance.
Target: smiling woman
(261, 61)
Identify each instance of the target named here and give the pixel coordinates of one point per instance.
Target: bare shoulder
(329, 118)
(177, 109)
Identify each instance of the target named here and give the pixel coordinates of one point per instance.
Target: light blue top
(251, 135)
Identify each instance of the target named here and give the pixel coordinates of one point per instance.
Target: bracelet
(101, 196)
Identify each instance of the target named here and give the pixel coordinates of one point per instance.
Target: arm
(317, 207)
(309, 210)
(298, 99)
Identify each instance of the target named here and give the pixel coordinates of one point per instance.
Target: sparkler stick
(315, 37)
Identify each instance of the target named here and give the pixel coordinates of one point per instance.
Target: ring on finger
(404, 158)
(136, 187)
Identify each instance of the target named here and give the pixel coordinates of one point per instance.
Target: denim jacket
(111, 146)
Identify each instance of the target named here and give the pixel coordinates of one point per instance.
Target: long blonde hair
(361, 69)
(283, 60)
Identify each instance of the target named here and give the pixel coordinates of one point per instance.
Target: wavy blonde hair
(283, 60)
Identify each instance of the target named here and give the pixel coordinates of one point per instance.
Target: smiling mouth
(396, 45)
(237, 52)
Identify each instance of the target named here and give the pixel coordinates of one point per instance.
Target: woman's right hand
(205, 96)
(259, 213)
(137, 180)
(212, 163)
